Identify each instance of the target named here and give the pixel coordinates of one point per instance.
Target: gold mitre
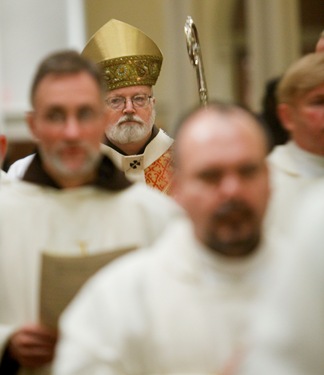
(125, 54)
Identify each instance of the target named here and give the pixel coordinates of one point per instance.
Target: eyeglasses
(119, 102)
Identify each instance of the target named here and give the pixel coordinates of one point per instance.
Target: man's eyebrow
(55, 107)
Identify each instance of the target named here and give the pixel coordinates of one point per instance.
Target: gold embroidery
(159, 174)
(130, 71)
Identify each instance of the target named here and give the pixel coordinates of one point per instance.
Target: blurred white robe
(293, 171)
(288, 336)
(34, 219)
(174, 308)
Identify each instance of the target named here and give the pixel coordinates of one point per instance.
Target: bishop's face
(130, 123)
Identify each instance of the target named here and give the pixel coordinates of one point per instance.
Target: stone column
(273, 42)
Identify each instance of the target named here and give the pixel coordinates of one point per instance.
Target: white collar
(297, 161)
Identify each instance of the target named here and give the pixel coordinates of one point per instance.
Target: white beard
(123, 133)
(65, 170)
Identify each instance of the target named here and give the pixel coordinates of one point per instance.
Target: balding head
(214, 125)
(221, 176)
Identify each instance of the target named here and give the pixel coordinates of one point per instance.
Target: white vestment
(293, 171)
(34, 219)
(19, 167)
(288, 336)
(177, 308)
(134, 165)
(3, 175)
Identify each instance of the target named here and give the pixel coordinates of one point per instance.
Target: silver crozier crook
(194, 52)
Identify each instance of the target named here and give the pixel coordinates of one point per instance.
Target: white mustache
(130, 118)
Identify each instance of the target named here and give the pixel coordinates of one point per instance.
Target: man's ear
(285, 114)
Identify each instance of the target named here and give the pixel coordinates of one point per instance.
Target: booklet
(62, 277)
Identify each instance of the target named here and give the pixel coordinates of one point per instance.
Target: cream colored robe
(34, 219)
(176, 308)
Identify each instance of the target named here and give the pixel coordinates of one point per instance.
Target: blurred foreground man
(73, 201)
(184, 307)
